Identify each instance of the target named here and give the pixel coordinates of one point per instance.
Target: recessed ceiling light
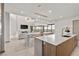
(25, 18)
(22, 12)
(50, 11)
(61, 16)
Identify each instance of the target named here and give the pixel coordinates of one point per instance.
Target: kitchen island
(54, 45)
(27, 36)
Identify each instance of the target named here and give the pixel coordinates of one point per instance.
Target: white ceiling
(59, 10)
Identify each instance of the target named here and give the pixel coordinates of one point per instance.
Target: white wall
(15, 22)
(13, 27)
(6, 26)
(60, 24)
(21, 20)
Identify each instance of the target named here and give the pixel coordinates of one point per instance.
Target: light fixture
(25, 18)
(21, 12)
(50, 11)
(61, 16)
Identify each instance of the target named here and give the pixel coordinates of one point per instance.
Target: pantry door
(76, 27)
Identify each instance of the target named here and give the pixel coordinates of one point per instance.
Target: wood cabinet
(48, 49)
(63, 49)
(76, 28)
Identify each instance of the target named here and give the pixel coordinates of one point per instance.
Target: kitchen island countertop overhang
(54, 45)
(54, 39)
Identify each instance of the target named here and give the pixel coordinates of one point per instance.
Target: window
(34, 28)
(45, 28)
(48, 28)
(53, 26)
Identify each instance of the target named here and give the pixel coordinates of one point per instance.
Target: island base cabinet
(48, 49)
(66, 48)
(63, 49)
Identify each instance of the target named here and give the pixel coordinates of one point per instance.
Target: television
(24, 26)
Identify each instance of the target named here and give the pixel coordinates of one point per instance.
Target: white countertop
(54, 39)
(39, 32)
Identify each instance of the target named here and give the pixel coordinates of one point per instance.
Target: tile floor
(17, 48)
